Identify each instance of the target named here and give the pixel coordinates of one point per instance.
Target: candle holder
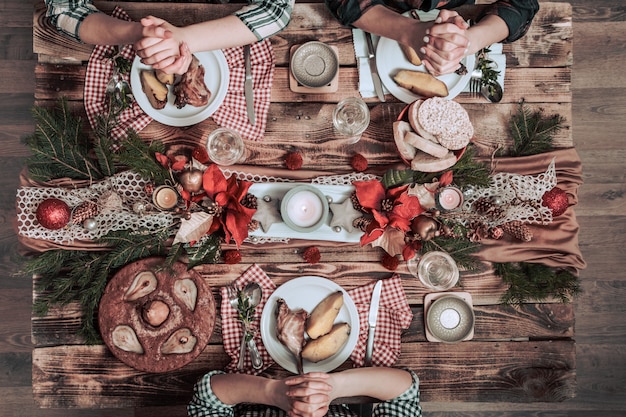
(304, 208)
(165, 197)
(449, 199)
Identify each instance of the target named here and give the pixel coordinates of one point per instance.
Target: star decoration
(267, 213)
(344, 215)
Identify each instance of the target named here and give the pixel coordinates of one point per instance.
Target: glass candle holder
(304, 208)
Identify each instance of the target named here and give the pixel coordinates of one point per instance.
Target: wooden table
(525, 354)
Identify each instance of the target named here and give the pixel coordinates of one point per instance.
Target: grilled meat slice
(290, 330)
(191, 88)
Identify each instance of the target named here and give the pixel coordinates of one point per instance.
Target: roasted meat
(191, 88)
(290, 330)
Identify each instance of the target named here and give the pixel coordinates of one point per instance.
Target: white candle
(165, 197)
(304, 208)
(450, 198)
(450, 318)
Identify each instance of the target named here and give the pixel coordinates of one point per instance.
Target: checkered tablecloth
(394, 315)
(231, 113)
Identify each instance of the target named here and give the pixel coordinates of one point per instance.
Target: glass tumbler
(436, 270)
(351, 117)
(224, 146)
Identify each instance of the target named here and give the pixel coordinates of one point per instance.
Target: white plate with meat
(390, 59)
(216, 79)
(305, 293)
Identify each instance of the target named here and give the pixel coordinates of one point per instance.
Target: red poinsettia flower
(445, 179)
(398, 211)
(227, 193)
(176, 163)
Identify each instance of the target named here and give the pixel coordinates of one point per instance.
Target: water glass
(436, 270)
(225, 146)
(351, 117)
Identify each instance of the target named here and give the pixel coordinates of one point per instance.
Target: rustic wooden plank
(516, 371)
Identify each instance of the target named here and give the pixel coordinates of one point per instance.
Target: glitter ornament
(556, 200)
(53, 213)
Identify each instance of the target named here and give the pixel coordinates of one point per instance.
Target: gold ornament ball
(191, 180)
(425, 227)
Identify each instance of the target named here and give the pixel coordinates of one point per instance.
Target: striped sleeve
(266, 17)
(67, 15)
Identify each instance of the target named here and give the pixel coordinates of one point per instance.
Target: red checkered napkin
(231, 327)
(99, 72)
(394, 315)
(232, 113)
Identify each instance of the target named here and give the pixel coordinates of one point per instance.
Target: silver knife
(378, 86)
(248, 85)
(371, 321)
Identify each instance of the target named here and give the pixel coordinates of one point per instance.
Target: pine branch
(536, 282)
(58, 146)
(532, 131)
(140, 157)
(460, 249)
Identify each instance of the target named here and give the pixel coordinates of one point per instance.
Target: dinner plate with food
(406, 78)
(182, 100)
(310, 324)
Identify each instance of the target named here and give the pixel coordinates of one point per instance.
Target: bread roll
(413, 113)
(155, 90)
(421, 83)
(447, 120)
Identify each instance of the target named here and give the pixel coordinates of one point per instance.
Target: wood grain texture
(598, 90)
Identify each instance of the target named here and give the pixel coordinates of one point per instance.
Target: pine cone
(486, 207)
(355, 202)
(253, 225)
(361, 223)
(477, 231)
(84, 211)
(518, 230)
(249, 201)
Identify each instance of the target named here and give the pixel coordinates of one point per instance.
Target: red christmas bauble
(53, 213)
(556, 200)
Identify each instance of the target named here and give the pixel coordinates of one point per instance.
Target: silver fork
(233, 297)
(475, 83)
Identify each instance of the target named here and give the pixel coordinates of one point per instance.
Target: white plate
(216, 78)
(390, 59)
(276, 191)
(306, 292)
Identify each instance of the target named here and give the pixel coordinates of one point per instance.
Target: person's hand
(162, 46)
(309, 394)
(445, 43)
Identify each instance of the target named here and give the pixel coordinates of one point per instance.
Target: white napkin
(366, 85)
(499, 59)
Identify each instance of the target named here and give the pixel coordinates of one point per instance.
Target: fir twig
(532, 131)
(461, 250)
(536, 282)
(140, 157)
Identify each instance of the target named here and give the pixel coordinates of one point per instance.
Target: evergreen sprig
(533, 131)
(460, 249)
(139, 157)
(536, 282)
(59, 147)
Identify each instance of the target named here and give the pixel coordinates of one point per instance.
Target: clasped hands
(445, 44)
(307, 395)
(161, 48)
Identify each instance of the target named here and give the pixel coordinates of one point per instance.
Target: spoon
(253, 293)
(492, 92)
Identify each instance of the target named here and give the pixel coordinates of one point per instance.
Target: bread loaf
(427, 163)
(421, 83)
(400, 129)
(425, 145)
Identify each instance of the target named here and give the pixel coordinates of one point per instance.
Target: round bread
(447, 120)
(415, 124)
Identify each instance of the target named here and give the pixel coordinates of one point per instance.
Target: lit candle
(450, 318)
(165, 197)
(304, 208)
(450, 198)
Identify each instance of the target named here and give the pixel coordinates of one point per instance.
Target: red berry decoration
(390, 262)
(293, 161)
(556, 200)
(312, 255)
(232, 257)
(358, 162)
(53, 213)
(200, 154)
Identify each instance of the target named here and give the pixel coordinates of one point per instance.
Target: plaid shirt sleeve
(67, 15)
(404, 405)
(205, 403)
(266, 17)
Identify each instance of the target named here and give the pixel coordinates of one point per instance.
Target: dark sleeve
(518, 15)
